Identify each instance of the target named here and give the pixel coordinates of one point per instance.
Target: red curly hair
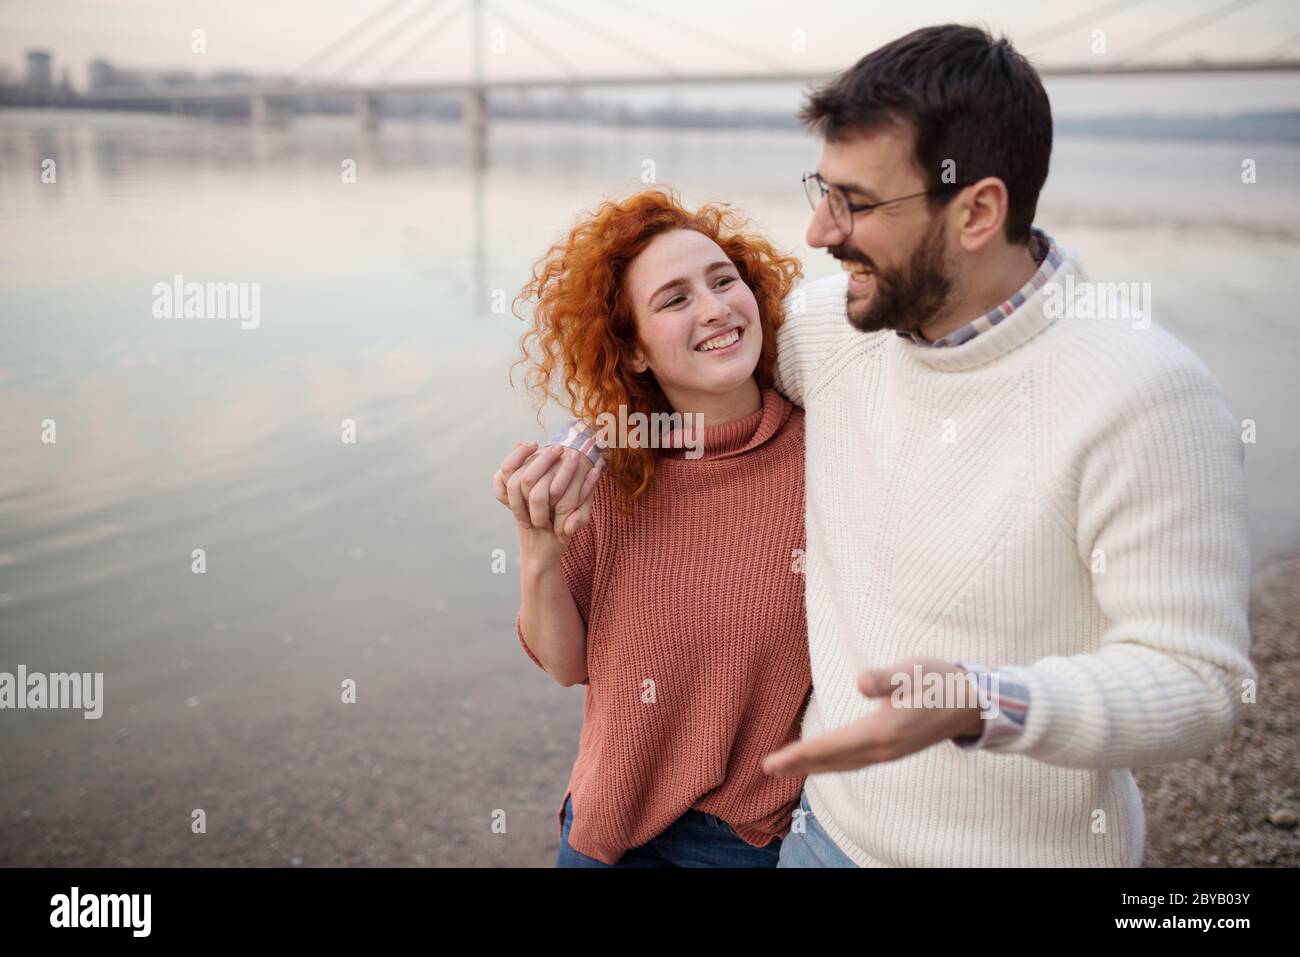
(584, 326)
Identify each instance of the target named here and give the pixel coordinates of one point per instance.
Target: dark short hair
(968, 98)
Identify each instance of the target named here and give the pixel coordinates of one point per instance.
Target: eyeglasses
(842, 209)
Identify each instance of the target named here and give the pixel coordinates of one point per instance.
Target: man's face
(899, 276)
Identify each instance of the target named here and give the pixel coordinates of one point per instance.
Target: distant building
(101, 74)
(170, 78)
(232, 76)
(104, 76)
(40, 75)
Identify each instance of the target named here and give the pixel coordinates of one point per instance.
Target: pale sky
(280, 36)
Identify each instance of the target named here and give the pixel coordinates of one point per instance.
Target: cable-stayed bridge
(413, 32)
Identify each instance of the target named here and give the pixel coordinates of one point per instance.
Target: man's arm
(1160, 495)
(814, 324)
(1161, 518)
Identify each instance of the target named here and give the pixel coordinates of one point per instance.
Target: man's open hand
(888, 733)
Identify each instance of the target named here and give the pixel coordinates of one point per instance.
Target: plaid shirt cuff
(1004, 705)
(575, 435)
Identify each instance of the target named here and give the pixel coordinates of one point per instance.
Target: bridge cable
(1047, 34)
(347, 35)
(419, 13)
(606, 36)
(565, 66)
(736, 48)
(449, 16)
(1181, 30)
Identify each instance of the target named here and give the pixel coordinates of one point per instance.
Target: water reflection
(375, 558)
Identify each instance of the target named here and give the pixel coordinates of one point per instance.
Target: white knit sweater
(958, 502)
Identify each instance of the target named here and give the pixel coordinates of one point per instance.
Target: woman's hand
(525, 483)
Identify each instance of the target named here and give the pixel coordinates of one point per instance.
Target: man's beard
(903, 301)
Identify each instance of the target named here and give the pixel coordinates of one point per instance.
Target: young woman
(675, 594)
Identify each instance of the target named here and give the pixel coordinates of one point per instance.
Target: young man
(1051, 504)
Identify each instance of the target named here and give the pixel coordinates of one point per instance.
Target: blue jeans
(814, 847)
(694, 840)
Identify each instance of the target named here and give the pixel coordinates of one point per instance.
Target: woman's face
(697, 322)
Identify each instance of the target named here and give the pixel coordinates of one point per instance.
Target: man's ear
(983, 212)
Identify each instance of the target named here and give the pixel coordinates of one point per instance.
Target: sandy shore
(416, 774)
(1237, 806)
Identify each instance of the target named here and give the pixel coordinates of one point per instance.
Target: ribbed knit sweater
(697, 652)
(1062, 498)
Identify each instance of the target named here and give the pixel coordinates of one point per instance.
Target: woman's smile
(722, 343)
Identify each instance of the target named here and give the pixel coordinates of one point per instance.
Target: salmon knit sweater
(697, 649)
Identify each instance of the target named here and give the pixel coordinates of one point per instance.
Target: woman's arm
(548, 616)
(550, 623)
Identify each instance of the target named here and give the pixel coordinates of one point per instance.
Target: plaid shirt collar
(1049, 259)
